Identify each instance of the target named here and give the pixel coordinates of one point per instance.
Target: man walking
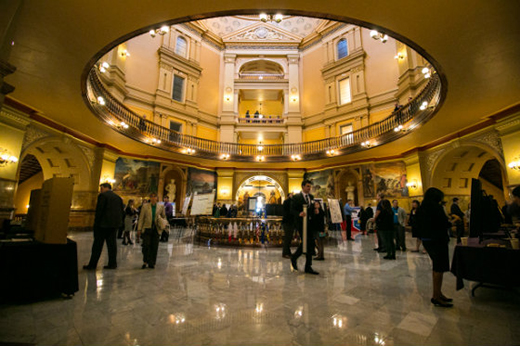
(300, 199)
(288, 227)
(399, 222)
(108, 219)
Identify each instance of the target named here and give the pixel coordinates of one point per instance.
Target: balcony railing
(411, 115)
(261, 76)
(257, 120)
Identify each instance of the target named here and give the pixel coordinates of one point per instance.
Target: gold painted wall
(140, 111)
(142, 69)
(23, 193)
(378, 116)
(208, 95)
(207, 133)
(314, 134)
(312, 91)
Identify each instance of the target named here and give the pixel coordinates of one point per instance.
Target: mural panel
(390, 179)
(135, 177)
(201, 181)
(322, 183)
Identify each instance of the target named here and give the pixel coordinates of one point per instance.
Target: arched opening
(30, 178)
(266, 190)
(455, 169)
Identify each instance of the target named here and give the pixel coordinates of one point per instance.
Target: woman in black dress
(433, 230)
(385, 225)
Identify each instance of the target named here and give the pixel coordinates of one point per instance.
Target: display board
(203, 204)
(336, 215)
(185, 205)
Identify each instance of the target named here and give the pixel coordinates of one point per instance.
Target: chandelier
(6, 157)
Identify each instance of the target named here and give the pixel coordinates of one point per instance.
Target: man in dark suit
(109, 217)
(458, 216)
(288, 227)
(300, 199)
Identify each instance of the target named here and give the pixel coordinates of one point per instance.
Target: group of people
(223, 211)
(111, 214)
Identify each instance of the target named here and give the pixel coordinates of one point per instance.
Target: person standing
(130, 213)
(380, 243)
(385, 226)
(168, 207)
(151, 223)
(399, 223)
(107, 220)
(288, 226)
(458, 216)
(347, 210)
(412, 222)
(433, 226)
(317, 225)
(298, 201)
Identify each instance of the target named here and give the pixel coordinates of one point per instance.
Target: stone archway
(349, 179)
(180, 177)
(259, 184)
(454, 169)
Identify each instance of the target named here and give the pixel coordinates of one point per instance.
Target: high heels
(441, 303)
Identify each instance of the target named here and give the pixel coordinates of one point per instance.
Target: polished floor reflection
(200, 295)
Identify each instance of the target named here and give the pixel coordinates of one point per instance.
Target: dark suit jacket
(109, 211)
(297, 207)
(287, 213)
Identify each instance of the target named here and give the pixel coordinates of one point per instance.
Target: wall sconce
(161, 31)
(412, 184)
(400, 128)
(260, 158)
(107, 179)
(103, 67)
(296, 157)
(224, 156)
(424, 105)
(260, 147)
(6, 158)
(188, 151)
(227, 98)
(121, 126)
(125, 53)
(515, 164)
(154, 141)
(277, 18)
(366, 144)
(101, 100)
(399, 56)
(378, 36)
(224, 192)
(426, 72)
(294, 99)
(331, 152)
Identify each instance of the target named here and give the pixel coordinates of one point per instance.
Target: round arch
(267, 63)
(341, 185)
(259, 177)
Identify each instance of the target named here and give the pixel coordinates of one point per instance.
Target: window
(181, 46)
(178, 88)
(175, 126)
(342, 48)
(344, 91)
(344, 129)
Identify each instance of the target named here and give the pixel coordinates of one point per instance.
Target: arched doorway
(454, 170)
(266, 190)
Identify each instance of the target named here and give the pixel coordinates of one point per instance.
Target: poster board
(203, 204)
(251, 204)
(185, 205)
(335, 211)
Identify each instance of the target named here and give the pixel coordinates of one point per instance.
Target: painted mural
(201, 181)
(322, 183)
(390, 179)
(369, 188)
(135, 177)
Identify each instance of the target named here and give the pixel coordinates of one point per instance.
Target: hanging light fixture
(161, 31)
(277, 18)
(376, 35)
(6, 157)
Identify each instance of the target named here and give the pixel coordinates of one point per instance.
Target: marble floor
(206, 295)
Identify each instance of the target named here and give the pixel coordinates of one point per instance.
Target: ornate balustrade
(411, 115)
(261, 76)
(265, 119)
(241, 231)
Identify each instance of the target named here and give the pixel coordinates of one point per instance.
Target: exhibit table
(486, 265)
(32, 270)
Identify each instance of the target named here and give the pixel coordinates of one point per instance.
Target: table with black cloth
(33, 271)
(486, 265)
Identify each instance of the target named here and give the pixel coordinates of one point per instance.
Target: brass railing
(418, 110)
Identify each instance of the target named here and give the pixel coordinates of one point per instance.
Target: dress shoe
(286, 256)
(144, 266)
(319, 259)
(441, 303)
(446, 299)
(151, 266)
(89, 267)
(109, 267)
(294, 265)
(311, 271)
(351, 239)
